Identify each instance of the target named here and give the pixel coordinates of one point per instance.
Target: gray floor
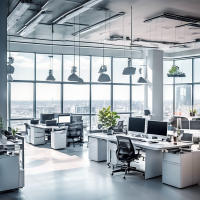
(94, 182)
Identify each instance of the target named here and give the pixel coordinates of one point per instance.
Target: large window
(178, 91)
(30, 94)
(138, 100)
(43, 66)
(24, 66)
(21, 100)
(84, 67)
(167, 102)
(48, 98)
(101, 97)
(121, 98)
(76, 99)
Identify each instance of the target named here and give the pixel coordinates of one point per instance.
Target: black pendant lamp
(50, 77)
(130, 70)
(103, 77)
(73, 76)
(80, 80)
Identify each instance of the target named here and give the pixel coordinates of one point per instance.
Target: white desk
(38, 133)
(153, 161)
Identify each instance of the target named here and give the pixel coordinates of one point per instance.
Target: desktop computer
(64, 119)
(136, 125)
(44, 117)
(157, 128)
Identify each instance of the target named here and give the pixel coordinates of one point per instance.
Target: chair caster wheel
(112, 174)
(108, 166)
(124, 178)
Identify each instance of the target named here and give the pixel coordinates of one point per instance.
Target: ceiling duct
(75, 12)
(174, 17)
(99, 24)
(160, 42)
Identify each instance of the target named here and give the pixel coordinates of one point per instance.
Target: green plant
(190, 111)
(195, 111)
(14, 131)
(174, 69)
(107, 118)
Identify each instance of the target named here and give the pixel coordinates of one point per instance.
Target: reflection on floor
(68, 174)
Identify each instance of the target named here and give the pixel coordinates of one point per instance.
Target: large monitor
(185, 124)
(195, 125)
(157, 128)
(136, 124)
(64, 119)
(44, 117)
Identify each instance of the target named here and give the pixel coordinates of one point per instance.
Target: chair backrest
(187, 137)
(120, 124)
(124, 146)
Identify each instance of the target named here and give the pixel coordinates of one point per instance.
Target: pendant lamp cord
(131, 33)
(74, 41)
(123, 37)
(104, 38)
(52, 50)
(79, 48)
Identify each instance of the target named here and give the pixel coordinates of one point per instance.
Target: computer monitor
(76, 119)
(157, 128)
(185, 124)
(136, 124)
(195, 125)
(44, 117)
(64, 119)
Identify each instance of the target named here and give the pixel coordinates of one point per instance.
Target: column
(155, 83)
(3, 61)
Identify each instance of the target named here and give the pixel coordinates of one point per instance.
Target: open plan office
(99, 100)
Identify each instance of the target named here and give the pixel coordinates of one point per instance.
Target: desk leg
(153, 163)
(108, 153)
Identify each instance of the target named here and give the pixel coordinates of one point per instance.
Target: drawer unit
(37, 136)
(97, 149)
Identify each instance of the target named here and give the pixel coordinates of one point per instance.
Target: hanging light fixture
(130, 70)
(80, 80)
(51, 77)
(73, 76)
(103, 77)
(141, 79)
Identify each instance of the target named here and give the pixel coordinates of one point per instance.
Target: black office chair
(126, 154)
(187, 137)
(119, 127)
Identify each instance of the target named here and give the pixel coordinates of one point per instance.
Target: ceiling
(161, 29)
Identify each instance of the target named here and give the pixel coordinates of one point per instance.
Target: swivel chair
(126, 154)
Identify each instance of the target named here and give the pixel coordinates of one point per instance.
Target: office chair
(126, 154)
(119, 127)
(187, 137)
(75, 130)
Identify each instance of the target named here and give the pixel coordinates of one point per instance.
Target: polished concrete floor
(69, 174)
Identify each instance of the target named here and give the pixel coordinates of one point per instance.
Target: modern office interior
(99, 100)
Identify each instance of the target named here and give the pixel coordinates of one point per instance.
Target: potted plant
(107, 118)
(2, 127)
(194, 112)
(191, 114)
(14, 131)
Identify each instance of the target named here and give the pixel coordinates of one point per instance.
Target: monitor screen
(64, 119)
(195, 125)
(157, 128)
(185, 124)
(44, 117)
(136, 124)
